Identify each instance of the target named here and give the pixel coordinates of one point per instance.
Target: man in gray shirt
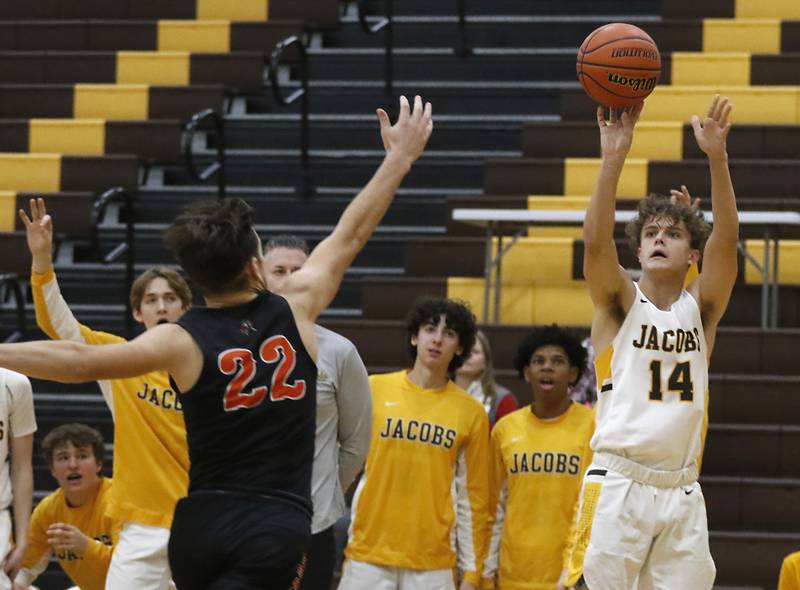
(344, 418)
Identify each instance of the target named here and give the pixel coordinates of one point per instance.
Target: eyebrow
(652, 225)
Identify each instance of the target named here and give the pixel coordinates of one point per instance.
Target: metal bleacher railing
(385, 24)
(306, 187)
(198, 122)
(10, 287)
(128, 247)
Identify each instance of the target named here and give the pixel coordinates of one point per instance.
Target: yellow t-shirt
(87, 572)
(790, 573)
(536, 471)
(426, 473)
(151, 459)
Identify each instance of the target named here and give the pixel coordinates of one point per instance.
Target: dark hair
(552, 335)
(659, 206)
(457, 315)
(79, 435)
(214, 241)
(288, 241)
(174, 279)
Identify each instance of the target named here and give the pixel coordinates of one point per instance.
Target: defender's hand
(409, 135)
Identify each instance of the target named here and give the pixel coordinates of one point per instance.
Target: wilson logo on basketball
(633, 83)
(636, 52)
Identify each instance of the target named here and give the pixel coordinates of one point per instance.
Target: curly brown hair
(657, 206)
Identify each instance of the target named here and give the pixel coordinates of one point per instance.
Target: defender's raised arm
(311, 289)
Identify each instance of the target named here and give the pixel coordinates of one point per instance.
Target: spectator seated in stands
(71, 523)
(476, 377)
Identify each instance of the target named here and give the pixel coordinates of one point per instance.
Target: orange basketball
(618, 65)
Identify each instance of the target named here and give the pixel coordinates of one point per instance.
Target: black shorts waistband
(288, 499)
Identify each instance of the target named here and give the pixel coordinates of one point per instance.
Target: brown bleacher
(318, 13)
(752, 178)
(109, 35)
(239, 72)
(158, 139)
(58, 101)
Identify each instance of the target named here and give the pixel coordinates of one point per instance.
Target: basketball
(618, 65)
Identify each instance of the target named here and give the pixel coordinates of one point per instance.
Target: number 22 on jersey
(240, 363)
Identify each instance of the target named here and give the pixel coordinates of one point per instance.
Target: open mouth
(546, 383)
(659, 254)
(74, 477)
(162, 321)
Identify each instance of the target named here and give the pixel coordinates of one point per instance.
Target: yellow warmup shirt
(790, 573)
(536, 472)
(151, 460)
(87, 572)
(426, 474)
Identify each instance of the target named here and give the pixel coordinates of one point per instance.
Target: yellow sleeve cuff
(39, 279)
(472, 578)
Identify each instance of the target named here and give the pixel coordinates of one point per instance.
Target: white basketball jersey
(653, 386)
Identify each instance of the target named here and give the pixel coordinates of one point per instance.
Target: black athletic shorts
(222, 540)
(320, 562)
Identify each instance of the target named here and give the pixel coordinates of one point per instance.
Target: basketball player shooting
(642, 512)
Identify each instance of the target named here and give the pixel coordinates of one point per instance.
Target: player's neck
(427, 377)
(549, 407)
(77, 498)
(662, 291)
(463, 380)
(230, 299)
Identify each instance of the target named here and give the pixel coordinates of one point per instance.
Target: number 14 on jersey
(679, 381)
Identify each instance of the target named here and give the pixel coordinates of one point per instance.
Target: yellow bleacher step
(8, 210)
(554, 203)
(756, 35)
(783, 9)
(580, 175)
(528, 304)
(30, 172)
(112, 101)
(539, 260)
(241, 10)
(728, 68)
(169, 68)
(751, 104)
(213, 36)
(67, 136)
(788, 262)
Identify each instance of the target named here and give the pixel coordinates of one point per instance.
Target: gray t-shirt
(344, 424)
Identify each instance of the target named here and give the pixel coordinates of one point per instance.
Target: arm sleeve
(354, 403)
(471, 496)
(37, 555)
(55, 318)
(21, 418)
(98, 554)
(498, 494)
